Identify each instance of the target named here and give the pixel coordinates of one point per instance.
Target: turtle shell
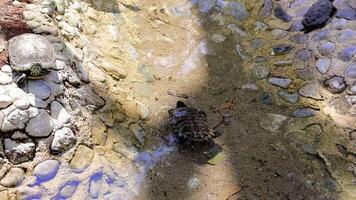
(28, 49)
(190, 124)
(318, 13)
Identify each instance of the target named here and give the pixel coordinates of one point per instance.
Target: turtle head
(36, 70)
(180, 104)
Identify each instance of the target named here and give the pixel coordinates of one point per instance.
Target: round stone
(323, 65)
(350, 71)
(281, 82)
(40, 126)
(303, 113)
(39, 88)
(326, 48)
(63, 140)
(336, 84)
(304, 55)
(5, 101)
(13, 177)
(289, 97)
(5, 79)
(347, 53)
(311, 90)
(18, 152)
(22, 104)
(46, 170)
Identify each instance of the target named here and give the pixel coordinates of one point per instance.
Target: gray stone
(39, 88)
(261, 71)
(36, 102)
(257, 43)
(4, 78)
(299, 38)
(353, 90)
(350, 71)
(15, 119)
(281, 49)
(281, 82)
(347, 53)
(289, 97)
(63, 140)
(305, 73)
(283, 63)
(138, 132)
(205, 6)
(311, 90)
(46, 170)
(349, 14)
(338, 23)
(60, 64)
(347, 36)
(82, 158)
(326, 48)
(261, 26)
(88, 94)
(46, 30)
(279, 33)
(304, 112)
(323, 65)
(267, 99)
(40, 126)
(281, 14)
(303, 55)
(59, 113)
(351, 4)
(236, 9)
(5, 101)
(321, 35)
(336, 84)
(13, 177)
(19, 152)
(267, 8)
(296, 26)
(272, 122)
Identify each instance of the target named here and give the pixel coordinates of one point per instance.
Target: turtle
(190, 125)
(317, 15)
(31, 56)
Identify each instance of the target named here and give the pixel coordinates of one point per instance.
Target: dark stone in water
(304, 112)
(281, 14)
(336, 84)
(267, 99)
(317, 15)
(267, 8)
(281, 49)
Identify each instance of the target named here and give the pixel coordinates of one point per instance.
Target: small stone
(77, 6)
(311, 90)
(347, 53)
(347, 36)
(261, 59)
(304, 112)
(299, 38)
(138, 132)
(321, 35)
(29, 15)
(5, 79)
(305, 73)
(13, 177)
(41, 125)
(289, 97)
(323, 65)
(6, 68)
(281, 49)
(303, 55)
(39, 88)
(98, 133)
(59, 113)
(272, 122)
(63, 140)
(52, 30)
(326, 48)
(353, 89)
(281, 14)
(46, 170)
(336, 84)
(59, 4)
(279, 33)
(194, 183)
(60, 64)
(205, 6)
(281, 82)
(5, 101)
(267, 8)
(241, 52)
(261, 71)
(16, 93)
(283, 63)
(296, 26)
(267, 99)
(36, 102)
(338, 23)
(236, 9)
(261, 26)
(349, 14)
(82, 158)
(68, 190)
(22, 104)
(350, 71)
(257, 43)
(19, 152)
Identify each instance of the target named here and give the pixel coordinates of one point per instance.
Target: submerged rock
(336, 84)
(281, 14)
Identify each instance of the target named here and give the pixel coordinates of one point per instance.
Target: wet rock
(39, 88)
(272, 122)
(350, 71)
(347, 36)
(305, 74)
(303, 55)
(304, 112)
(267, 99)
(279, 33)
(349, 14)
(13, 177)
(347, 53)
(338, 24)
(323, 65)
(46, 170)
(5, 101)
(311, 90)
(18, 152)
(41, 125)
(326, 48)
(59, 113)
(289, 97)
(296, 26)
(63, 140)
(267, 8)
(4, 78)
(283, 63)
(82, 158)
(261, 71)
(281, 14)
(299, 38)
(336, 84)
(281, 49)
(281, 82)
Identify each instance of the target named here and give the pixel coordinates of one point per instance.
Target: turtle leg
(19, 79)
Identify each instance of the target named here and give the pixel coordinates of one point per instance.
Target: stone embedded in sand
(323, 65)
(98, 129)
(311, 90)
(39, 88)
(336, 84)
(304, 112)
(41, 125)
(63, 140)
(59, 113)
(13, 177)
(281, 82)
(272, 122)
(19, 152)
(82, 158)
(46, 170)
